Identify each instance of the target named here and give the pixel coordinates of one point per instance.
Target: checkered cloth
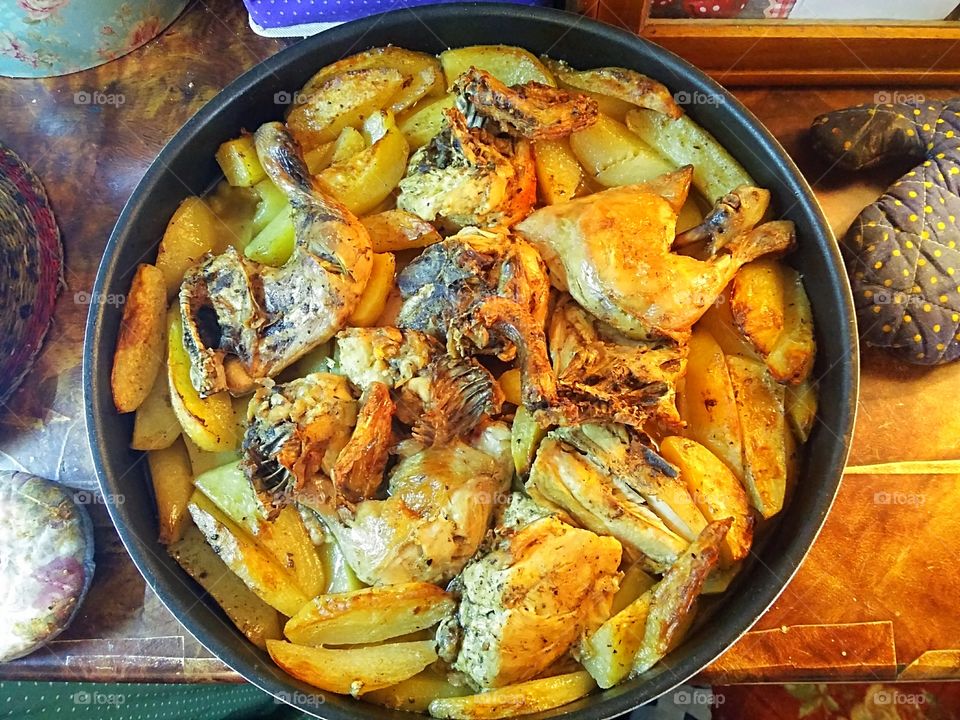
(903, 253)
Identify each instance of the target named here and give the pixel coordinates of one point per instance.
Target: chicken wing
(531, 110)
(612, 251)
(525, 603)
(268, 317)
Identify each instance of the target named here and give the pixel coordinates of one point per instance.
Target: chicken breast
(529, 600)
(612, 251)
(568, 480)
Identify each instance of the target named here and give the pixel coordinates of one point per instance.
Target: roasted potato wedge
(202, 461)
(239, 162)
(210, 422)
(365, 180)
(720, 578)
(423, 122)
(273, 245)
(346, 99)
(415, 694)
(515, 700)
(525, 437)
(369, 615)
(139, 352)
(612, 155)
(627, 86)
(758, 303)
(353, 671)
(510, 65)
(253, 617)
(672, 599)
(270, 201)
(558, 172)
(285, 537)
(634, 583)
(509, 382)
(192, 232)
(172, 479)
(715, 172)
(234, 208)
(340, 576)
(718, 321)
(396, 230)
(760, 406)
(717, 492)
(155, 426)
(608, 653)
(791, 360)
(707, 404)
(800, 404)
(374, 296)
(253, 564)
(422, 73)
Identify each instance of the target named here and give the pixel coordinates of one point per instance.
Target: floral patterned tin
(41, 38)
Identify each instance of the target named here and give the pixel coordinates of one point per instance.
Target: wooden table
(876, 598)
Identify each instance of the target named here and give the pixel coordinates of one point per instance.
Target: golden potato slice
(626, 86)
(516, 700)
(612, 155)
(608, 653)
(340, 576)
(801, 407)
(285, 537)
(369, 615)
(172, 479)
(374, 297)
(396, 230)
(252, 616)
(353, 671)
(246, 558)
(720, 578)
(210, 422)
(509, 382)
(791, 359)
(558, 171)
(718, 321)
(342, 100)
(715, 172)
(707, 404)
(365, 180)
(510, 65)
(239, 162)
(270, 201)
(426, 120)
(273, 245)
(717, 492)
(760, 407)
(425, 77)
(192, 232)
(155, 426)
(758, 302)
(634, 583)
(139, 352)
(415, 694)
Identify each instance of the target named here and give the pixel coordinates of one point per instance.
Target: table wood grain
(875, 599)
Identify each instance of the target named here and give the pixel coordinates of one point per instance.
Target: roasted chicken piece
(439, 396)
(531, 110)
(437, 513)
(612, 251)
(611, 378)
(569, 482)
(294, 436)
(735, 213)
(449, 277)
(268, 317)
(468, 177)
(526, 603)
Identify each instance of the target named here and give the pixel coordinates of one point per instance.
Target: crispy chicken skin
(294, 436)
(531, 110)
(612, 251)
(268, 317)
(438, 511)
(529, 600)
(610, 378)
(358, 471)
(467, 177)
